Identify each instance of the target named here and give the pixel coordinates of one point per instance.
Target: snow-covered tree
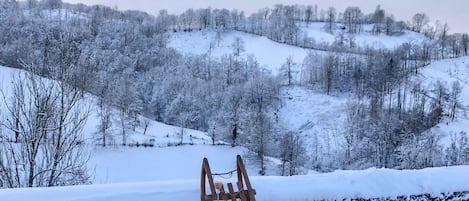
(50, 147)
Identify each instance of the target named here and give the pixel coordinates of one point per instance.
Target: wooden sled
(222, 195)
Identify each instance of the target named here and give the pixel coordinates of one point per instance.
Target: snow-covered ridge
(270, 54)
(363, 39)
(370, 183)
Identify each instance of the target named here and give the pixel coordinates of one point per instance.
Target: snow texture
(368, 183)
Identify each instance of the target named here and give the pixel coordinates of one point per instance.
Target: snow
(319, 118)
(155, 164)
(270, 55)
(368, 183)
(158, 134)
(449, 71)
(6, 75)
(161, 161)
(366, 38)
(167, 172)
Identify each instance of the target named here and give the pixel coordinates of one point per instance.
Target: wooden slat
(241, 166)
(241, 192)
(220, 187)
(206, 172)
(244, 195)
(232, 193)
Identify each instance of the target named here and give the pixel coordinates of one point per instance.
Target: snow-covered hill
(363, 39)
(157, 134)
(447, 72)
(159, 159)
(270, 54)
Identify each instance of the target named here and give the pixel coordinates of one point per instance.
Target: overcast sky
(454, 12)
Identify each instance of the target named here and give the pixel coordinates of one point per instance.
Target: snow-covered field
(337, 185)
(142, 164)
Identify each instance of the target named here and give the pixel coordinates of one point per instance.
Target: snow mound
(370, 183)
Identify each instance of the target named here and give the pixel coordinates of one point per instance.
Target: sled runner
(217, 189)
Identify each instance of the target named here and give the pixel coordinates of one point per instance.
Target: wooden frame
(243, 179)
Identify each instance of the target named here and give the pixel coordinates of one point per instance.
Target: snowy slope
(161, 134)
(365, 38)
(368, 183)
(319, 118)
(270, 55)
(448, 71)
(136, 164)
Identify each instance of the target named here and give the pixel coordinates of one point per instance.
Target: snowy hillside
(157, 134)
(160, 159)
(447, 72)
(270, 54)
(319, 118)
(363, 39)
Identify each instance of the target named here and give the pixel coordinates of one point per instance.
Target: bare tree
(308, 14)
(105, 116)
(465, 43)
(53, 4)
(292, 153)
(331, 16)
(287, 69)
(329, 68)
(378, 18)
(455, 99)
(419, 21)
(50, 147)
(352, 19)
(238, 46)
(442, 31)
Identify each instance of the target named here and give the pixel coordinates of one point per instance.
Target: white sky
(454, 12)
